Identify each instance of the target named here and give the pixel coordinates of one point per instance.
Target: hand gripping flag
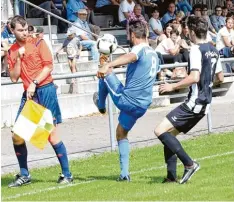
(34, 124)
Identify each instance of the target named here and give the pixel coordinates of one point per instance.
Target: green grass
(95, 176)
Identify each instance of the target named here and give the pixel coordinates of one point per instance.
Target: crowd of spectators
(168, 31)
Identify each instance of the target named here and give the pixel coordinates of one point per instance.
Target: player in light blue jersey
(134, 98)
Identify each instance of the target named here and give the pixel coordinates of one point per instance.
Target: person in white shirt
(225, 39)
(125, 7)
(170, 48)
(155, 25)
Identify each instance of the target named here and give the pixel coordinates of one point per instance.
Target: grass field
(95, 177)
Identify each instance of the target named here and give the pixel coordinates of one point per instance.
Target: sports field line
(93, 180)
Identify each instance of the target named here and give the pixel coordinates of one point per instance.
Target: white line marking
(93, 180)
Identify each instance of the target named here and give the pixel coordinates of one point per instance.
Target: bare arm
(175, 50)
(126, 15)
(227, 43)
(122, 60)
(44, 73)
(83, 37)
(15, 73)
(193, 77)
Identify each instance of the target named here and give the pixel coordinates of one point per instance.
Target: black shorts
(183, 119)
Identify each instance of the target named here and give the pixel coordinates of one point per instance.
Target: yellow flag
(34, 124)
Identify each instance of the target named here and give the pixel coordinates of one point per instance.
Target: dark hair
(30, 28)
(184, 24)
(155, 9)
(175, 31)
(204, 6)
(199, 26)
(18, 19)
(218, 6)
(139, 29)
(228, 18)
(197, 6)
(230, 14)
(224, 7)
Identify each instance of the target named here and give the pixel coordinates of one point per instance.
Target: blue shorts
(129, 113)
(46, 96)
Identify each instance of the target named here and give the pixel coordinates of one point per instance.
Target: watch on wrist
(35, 82)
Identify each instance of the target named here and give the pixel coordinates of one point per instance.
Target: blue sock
(124, 157)
(102, 94)
(61, 153)
(21, 153)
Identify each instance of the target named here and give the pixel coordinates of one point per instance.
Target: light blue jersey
(141, 75)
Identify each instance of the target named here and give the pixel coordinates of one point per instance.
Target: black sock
(170, 160)
(21, 153)
(174, 145)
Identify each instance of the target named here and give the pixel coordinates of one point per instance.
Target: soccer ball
(107, 44)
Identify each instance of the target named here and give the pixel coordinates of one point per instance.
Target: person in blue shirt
(217, 20)
(7, 34)
(86, 39)
(169, 15)
(183, 5)
(72, 7)
(134, 98)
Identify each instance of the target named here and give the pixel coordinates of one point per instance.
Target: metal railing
(119, 71)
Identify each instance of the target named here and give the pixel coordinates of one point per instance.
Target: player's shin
(171, 161)
(174, 145)
(61, 153)
(22, 154)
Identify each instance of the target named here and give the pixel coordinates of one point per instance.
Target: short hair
(175, 31)
(228, 18)
(30, 28)
(184, 24)
(218, 6)
(18, 19)
(180, 14)
(139, 28)
(199, 25)
(204, 6)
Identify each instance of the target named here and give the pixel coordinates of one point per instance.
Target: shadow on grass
(7, 180)
(110, 177)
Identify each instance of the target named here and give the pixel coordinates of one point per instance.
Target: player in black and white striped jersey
(204, 64)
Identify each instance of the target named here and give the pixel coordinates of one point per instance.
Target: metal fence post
(50, 32)
(209, 122)
(111, 119)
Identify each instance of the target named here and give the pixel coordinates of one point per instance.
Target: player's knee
(158, 131)
(53, 138)
(121, 133)
(17, 140)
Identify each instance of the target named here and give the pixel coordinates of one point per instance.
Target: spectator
(217, 20)
(73, 49)
(155, 25)
(183, 5)
(147, 6)
(72, 7)
(49, 6)
(206, 17)
(61, 5)
(197, 10)
(169, 15)
(224, 12)
(31, 30)
(125, 8)
(225, 39)
(170, 48)
(4, 49)
(86, 39)
(110, 7)
(135, 16)
(166, 33)
(229, 5)
(7, 34)
(40, 34)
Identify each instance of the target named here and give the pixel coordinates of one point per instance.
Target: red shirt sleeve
(45, 54)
